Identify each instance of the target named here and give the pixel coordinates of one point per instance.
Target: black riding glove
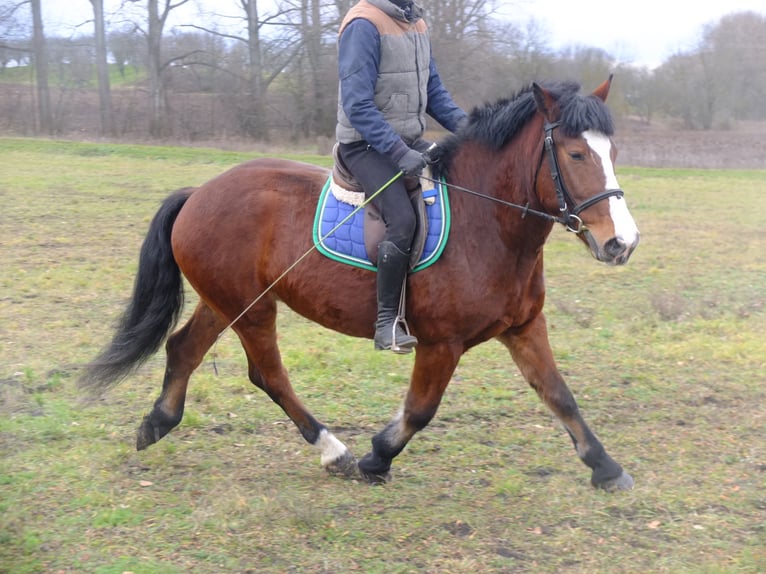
(411, 163)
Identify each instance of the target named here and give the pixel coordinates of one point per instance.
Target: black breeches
(373, 170)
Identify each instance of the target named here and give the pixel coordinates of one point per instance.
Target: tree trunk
(315, 55)
(102, 70)
(159, 121)
(45, 118)
(255, 122)
(158, 124)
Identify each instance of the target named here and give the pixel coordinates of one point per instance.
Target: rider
(388, 82)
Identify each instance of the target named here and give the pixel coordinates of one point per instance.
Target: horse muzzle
(614, 251)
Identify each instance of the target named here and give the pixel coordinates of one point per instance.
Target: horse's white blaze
(625, 227)
(330, 447)
(624, 224)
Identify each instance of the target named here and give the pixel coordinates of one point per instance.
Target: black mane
(496, 124)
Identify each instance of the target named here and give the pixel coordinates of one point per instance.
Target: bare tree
(682, 82)
(314, 75)
(12, 22)
(256, 123)
(273, 64)
(462, 41)
(157, 15)
(589, 66)
(40, 48)
(254, 113)
(127, 48)
(267, 58)
(102, 70)
(735, 49)
(531, 59)
(722, 79)
(640, 93)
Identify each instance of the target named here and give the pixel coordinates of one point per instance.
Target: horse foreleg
(267, 372)
(532, 353)
(185, 350)
(431, 374)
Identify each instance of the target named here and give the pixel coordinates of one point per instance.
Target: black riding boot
(392, 269)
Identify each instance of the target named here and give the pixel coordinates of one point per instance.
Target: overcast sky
(644, 32)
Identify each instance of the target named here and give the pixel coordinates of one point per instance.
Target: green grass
(17, 74)
(62, 75)
(665, 356)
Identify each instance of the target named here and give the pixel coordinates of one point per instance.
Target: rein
(569, 218)
(525, 209)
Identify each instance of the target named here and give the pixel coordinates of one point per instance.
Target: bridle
(570, 212)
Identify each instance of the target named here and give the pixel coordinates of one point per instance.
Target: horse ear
(545, 101)
(603, 90)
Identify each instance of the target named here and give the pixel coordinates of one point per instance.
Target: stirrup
(410, 341)
(401, 344)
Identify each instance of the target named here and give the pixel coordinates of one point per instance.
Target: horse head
(582, 183)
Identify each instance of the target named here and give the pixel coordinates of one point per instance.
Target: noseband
(569, 210)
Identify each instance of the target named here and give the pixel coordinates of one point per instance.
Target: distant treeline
(275, 72)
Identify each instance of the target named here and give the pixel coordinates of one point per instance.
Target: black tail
(157, 301)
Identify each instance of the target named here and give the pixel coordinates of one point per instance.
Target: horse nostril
(615, 247)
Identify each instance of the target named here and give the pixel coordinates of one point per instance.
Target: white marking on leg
(582, 450)
(625, 227)
(396, 432)
(330, 447)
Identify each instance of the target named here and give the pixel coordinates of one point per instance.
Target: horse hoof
(144, 438)
(147, 434)
(373, 478)
(345, 465)
(373, 470)
(622, 482)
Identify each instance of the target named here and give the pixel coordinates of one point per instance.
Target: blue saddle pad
(339, 228)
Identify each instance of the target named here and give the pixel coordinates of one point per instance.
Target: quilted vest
(401, 88)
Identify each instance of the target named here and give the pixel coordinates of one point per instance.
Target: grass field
(63, 76)
(666, 357)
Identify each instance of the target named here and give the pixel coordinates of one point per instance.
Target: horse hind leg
(185, 350)
(532, 353)
(267, 372)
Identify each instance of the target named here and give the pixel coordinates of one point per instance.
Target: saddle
(347, 189)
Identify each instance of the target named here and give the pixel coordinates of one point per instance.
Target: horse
(542, 156)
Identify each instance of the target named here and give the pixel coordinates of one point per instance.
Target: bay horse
(543, 156)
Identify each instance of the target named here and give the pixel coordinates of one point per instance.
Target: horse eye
(577, 156)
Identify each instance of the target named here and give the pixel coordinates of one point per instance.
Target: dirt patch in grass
(666, 146)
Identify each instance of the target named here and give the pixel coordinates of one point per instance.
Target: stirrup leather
(399, 320)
